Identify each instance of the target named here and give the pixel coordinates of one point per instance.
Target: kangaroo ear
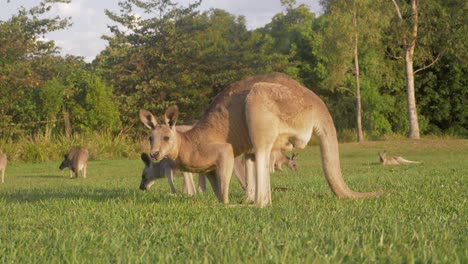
(171, 115)
(146, 159)
(148, 119)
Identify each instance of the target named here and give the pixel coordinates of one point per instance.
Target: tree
(409, 44)
(21, 50)
(429, 24)
(354, 28)
(178, 57)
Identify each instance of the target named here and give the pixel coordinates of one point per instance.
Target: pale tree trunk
(67, 124)
(360, 137)
(410, 96)
(409, 44)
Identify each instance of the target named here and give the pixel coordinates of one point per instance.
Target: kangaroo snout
(155, 155)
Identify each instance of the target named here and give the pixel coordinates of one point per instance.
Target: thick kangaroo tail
(405, 161)
(326, 133)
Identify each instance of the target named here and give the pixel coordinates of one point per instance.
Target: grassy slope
(46, 217)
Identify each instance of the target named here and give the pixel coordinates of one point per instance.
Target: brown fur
(393, 160)
(251, 116)
(3, 164)
(278, 158)
(77, 161)
(166, 168)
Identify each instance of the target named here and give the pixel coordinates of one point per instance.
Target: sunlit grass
(47, 218)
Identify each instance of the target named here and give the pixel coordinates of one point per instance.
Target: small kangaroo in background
(278, 158)
(3, 163)
(77, 160)
(394, 160)
(166, 167)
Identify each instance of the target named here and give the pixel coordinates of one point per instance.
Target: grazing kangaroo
(3, 164)
(278, 158)
(393, 160)
(166, 167)
(76, 160)
(250, 117)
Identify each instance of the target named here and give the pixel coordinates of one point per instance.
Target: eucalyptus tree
(353, 28)
(424, 32)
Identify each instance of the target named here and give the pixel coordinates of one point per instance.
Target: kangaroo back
(76, 160)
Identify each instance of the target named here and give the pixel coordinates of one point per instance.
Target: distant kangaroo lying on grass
(278, 158)
(393, 160)
(3, 163)
(77, 161)
(249, 117)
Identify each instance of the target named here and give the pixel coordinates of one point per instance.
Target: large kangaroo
(278, 158)
(3, 164)
(393, 160)
(166, 168)
(76, 160)
(251, 116)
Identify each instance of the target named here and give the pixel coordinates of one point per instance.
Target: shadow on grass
(43, 176)
(70, 193)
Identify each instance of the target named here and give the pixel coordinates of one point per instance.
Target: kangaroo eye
(166, 138)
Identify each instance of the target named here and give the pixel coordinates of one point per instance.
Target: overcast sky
(90, 22)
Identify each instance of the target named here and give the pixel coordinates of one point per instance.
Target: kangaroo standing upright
(77, 161)
(250, 117)
(3, 163)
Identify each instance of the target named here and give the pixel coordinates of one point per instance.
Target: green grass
(47, 218)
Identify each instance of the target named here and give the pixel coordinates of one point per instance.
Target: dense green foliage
(48, 218)
(177, 55)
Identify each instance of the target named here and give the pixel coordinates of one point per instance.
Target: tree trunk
(67, 124)
(410, 96)
(358, 85)
(409, 44)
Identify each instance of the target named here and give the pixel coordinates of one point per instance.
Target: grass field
(47, 218)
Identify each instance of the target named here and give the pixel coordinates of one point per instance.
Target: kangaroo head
(292, 164)
(382, 156)
(148, 175)
(65, 163)
(163, 138)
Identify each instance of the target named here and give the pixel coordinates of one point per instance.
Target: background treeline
(178, 55)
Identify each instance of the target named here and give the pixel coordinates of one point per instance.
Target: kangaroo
(278, 158)
(3, 164)
(76, 160)
(393, 160)
(250, 117)
(166, 167)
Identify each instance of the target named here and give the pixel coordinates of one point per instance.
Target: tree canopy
(175, 54)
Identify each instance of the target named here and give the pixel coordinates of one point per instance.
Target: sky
(83, 38)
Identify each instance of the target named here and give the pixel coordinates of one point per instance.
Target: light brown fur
(166, 168)
(250, 117)
(393, 160)
(77, 161)
(3, 164)
(278, 158)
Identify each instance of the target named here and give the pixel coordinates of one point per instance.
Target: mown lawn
(47, 218)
